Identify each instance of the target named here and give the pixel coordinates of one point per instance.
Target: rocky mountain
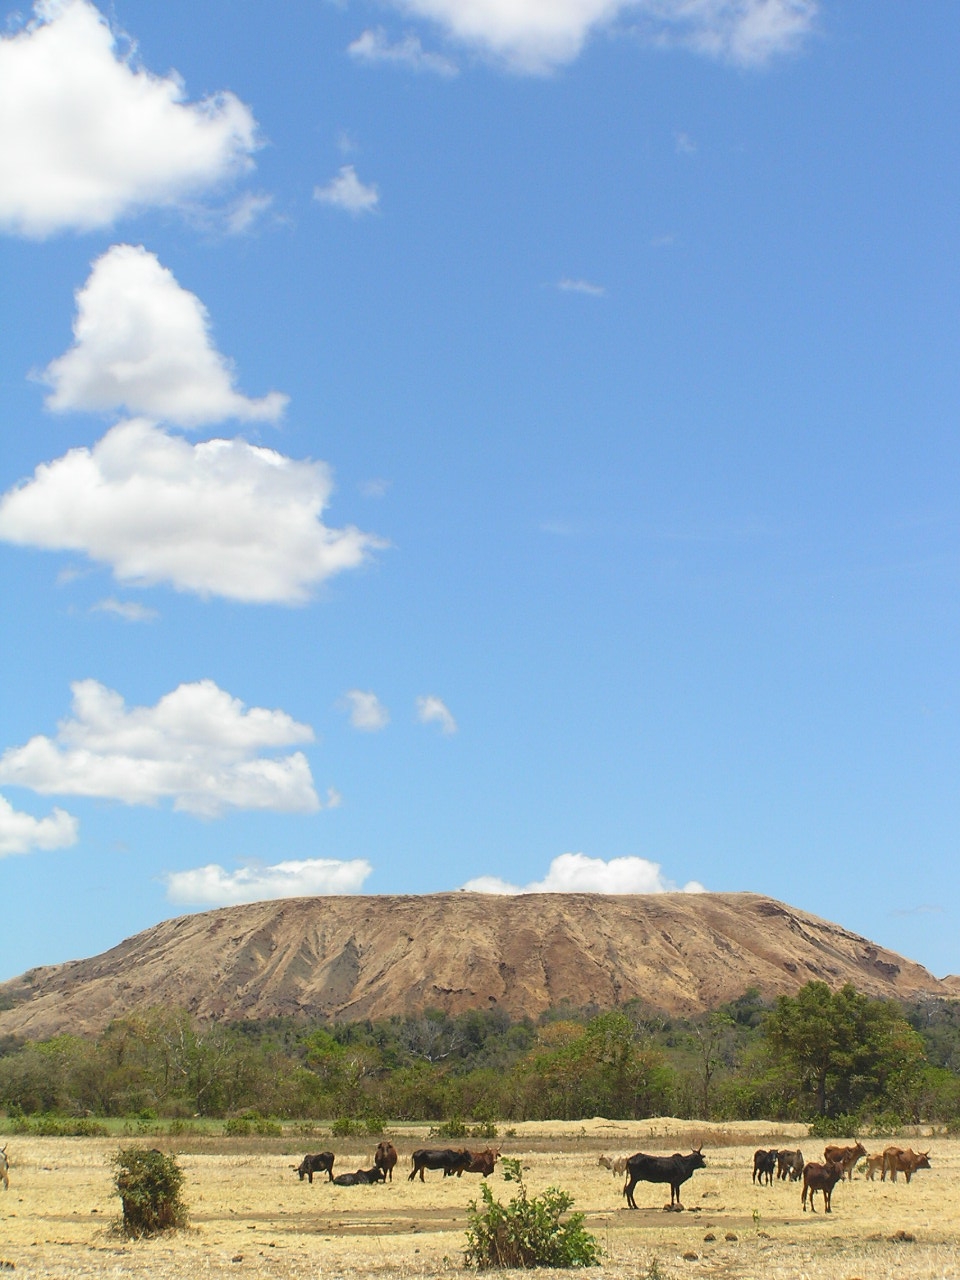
(360, 957)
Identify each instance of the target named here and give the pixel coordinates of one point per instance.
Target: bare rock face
(367, 957)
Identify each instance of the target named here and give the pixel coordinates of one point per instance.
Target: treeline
(820, 1054)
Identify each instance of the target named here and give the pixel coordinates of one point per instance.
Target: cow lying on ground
(480, 1162)
(764, 1163)
(675, 1169)
(385, 1158)
(362, 1177)
(896, 1160)
(320, 1163)
(4, 1168)
(445, 1158)
(616, 1165)
(820, 1177)
(789, 1165)
(847, 1156)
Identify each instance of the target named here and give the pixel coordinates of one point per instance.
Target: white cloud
(198, 747)
(222, 517)
(538, 35)
(142, 342)
(374, 47)
(684, 145)
(378, 487)
(244, 212)
(566, 285)
(366, 710)
(87, 135)
(430, 710)
(22, 833)
(346, 191)
(576, 873)
(128, 610)
(214, 886)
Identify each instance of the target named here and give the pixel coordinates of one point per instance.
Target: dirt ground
(250, 1215)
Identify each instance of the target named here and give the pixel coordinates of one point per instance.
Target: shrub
(529, 1231)
(454, 1128)
(375, 1125)
(236, 1127)
(841, 1126)
(149, 1185)
(346, 1128)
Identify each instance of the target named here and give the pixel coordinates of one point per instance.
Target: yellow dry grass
(251, 1216)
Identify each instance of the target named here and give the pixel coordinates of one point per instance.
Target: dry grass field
(251, 1216)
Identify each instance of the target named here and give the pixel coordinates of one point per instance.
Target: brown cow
(820, 1177)
(790, 1165)
(874, 1163)
(896, 1160)
(385, 1158)
(847, 1156)
(480, 1162)
(4, 1169)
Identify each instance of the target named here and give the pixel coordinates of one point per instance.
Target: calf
(764, 1163)
(874, 1163)
(789, 1165)
(820, 1177)
(320, 1163)
(4, 1168)
(675, 1169)
(616, 1165)
(445, 1158)
(847, 1156)
(386, 1158)
(897, 1161)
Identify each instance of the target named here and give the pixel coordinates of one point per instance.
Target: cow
(789, 1165)
(4, 1168)
(445, 1158)
(480, 1162)
(874, 1163)
(616, 1166)
(764, 1163)
(362, 1177)
(908, 1162)
(820, 1177)
(675, 1169)
(385, 1158)
(320, 1163)
(847, 1156)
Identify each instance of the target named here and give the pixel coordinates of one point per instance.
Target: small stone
(731, 1235)
(709, 1236)
(237, 1257)
(690, 1256)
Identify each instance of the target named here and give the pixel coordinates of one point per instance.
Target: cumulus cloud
(198, 746)
(430, 710)
(346, 191)
(538, 35)
(128, 610)
(366, 710)
(576, 873)
(87, 135)
(222, 517)
(142, 342)
(22, 833)
(374, 47)
(566, 285)
(214, 886)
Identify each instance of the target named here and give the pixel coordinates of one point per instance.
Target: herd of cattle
(451, 1160)
(838, 1163)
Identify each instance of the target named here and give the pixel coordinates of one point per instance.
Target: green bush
(51, 1126)
(347, 1128)
(237, 1127)
(529, 1231)
(841, 1126)
(453, 1128)
(149, 1184)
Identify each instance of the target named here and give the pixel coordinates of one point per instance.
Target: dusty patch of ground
(251, 1216)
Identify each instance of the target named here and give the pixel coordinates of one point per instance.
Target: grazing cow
(480, 1162)
(362, 1178)
(897, 1161)
(847, 1156)
(764, 1163)
(675, 1169)
(874, 1163)
(789, 1165)
(385, 1158)
(820, 1177)
(445, 1158)
(320, 1163)
(4, 1168)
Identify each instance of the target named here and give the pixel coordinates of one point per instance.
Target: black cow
(764, 1163)
(445, 1158)
(789, 1165)
(675, 1169)
(321, 1163)
(362, 1178)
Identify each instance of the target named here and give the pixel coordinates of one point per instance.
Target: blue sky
(500, 445)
